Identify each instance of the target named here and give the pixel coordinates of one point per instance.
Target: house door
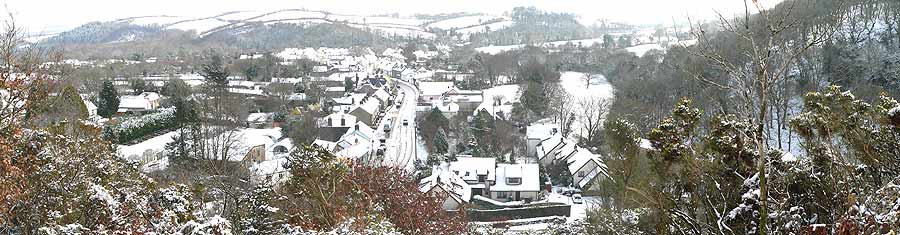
(517, 196)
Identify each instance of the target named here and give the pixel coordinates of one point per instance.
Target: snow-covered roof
(381, 95)
(470, 167)
(352, 99)
(155, 144)
(327, 145)
(446, 107)
(270, 167)
(362, 129)
(582, 158)
(258, 117)
(249, 138)
(434, 88)
(541, 131)
(334, 120)
(286, 143)
(336, 89)
(567, 150)
(527, 172)
(143, 101)
(442, 177)
(369, 106)
(354, 152)
(545, 147)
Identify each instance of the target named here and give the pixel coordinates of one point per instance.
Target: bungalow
(502, 182)
(146, 101)
(445, 184)
(468, 100)
(478, 172)
(516, 182)
(429, 91)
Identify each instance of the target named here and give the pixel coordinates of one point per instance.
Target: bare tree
(766, 48)
(561, 107)
(593, 111)
(281, 92)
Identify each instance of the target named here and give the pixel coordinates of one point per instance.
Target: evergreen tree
(69, 100)
(255, 215)
(440, 142)
(108, 102)
(214, 71)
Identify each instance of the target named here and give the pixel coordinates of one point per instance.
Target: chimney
(356, 127)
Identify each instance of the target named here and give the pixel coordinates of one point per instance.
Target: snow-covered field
(640, 50)
(493, 50)
(462, 22)
(574, 83)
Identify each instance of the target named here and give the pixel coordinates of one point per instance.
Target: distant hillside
(531, 25)
(105, 32)
(255, 30)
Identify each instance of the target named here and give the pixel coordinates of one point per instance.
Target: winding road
(401, 144)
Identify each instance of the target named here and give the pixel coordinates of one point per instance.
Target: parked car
(405, 122)
(387, 126)
(576, 198)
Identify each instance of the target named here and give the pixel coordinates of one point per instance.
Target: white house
(502, 182)
(445, 184)
(339, 119)
(139, 103)
(516, 182)
(429, 91)
(358, 142)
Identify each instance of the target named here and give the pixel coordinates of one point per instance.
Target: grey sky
(47, 16)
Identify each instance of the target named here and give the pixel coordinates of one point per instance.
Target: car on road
(387, 125)
(405, 122)
(576, 198)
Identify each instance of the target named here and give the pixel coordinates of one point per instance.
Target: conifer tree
(257, 217)
(440, 142)
(108, 102)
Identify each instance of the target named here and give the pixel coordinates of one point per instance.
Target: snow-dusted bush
(128, 129)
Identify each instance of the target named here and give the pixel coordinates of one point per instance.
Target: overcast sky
(48, 16)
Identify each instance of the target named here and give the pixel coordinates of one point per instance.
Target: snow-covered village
(456, 117)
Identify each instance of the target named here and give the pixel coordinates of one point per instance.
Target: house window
(581, 174)
(513, 181)
(502, 195)
(467, 173)
(343, 122)
(481, 178)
